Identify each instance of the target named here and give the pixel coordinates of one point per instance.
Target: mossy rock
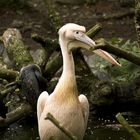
(17, 52)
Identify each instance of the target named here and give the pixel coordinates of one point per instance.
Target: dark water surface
(98, 129)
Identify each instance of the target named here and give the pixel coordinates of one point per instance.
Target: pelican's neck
(67, 80)
(68, 63)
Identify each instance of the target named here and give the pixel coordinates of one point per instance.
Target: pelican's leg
(85, 107)
(41, 103)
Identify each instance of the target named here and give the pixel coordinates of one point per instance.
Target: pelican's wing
(41, 103)
(85, 107)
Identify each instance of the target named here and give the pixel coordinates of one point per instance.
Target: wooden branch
(45, 42)
(94, 30)
(15, 115)
(104, 45)
(6, 91)
(8, 74)
(132, 131)
(60, 126)
(50, 45)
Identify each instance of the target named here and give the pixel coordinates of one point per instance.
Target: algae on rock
(17, 52)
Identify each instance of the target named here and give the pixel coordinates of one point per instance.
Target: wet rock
(39, 56)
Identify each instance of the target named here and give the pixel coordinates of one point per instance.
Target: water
(98, 129)
(108, 128)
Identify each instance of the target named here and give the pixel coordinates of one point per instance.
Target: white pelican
(65, 103)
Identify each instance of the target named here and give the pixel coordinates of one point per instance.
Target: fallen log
(15, 115)
(8, 74)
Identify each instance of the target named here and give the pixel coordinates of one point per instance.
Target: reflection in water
(98, 129)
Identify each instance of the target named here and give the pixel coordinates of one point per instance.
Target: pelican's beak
(84, 38)
(87, 43)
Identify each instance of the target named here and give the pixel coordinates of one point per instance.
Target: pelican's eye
(77, 32)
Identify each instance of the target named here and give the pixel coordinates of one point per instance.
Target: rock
(17, 52)
(39, 56)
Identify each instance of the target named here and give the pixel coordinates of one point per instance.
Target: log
(15, 115)
(94, 30)
(8, 74)
(48, 43)
(8, 90)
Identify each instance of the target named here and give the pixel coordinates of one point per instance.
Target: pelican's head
(75, 36)
(71, 32)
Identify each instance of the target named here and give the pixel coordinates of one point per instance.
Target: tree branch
(94, 30)
(8, 74)
(56, 123)
(15, 115)
(132, 131)
(6, 91)
(104, 45)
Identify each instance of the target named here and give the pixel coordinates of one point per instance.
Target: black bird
(32, 83)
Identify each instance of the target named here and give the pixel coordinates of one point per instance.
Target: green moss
(18, 53)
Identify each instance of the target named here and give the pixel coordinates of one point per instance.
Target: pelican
(65, 103)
